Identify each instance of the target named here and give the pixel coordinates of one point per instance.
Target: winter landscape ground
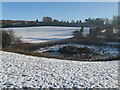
(63, 45)
(21, 71)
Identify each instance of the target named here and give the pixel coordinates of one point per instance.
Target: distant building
(86, 31)
(103, 31)
(47, 19)
(116, 30)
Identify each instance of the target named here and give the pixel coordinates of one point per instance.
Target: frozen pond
(43, 33)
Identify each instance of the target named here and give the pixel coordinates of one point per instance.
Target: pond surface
(43, 33)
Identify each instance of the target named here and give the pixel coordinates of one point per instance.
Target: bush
(74, 50)
(78, 34)
(8, 38)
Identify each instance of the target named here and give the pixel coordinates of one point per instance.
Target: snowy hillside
(27, 71)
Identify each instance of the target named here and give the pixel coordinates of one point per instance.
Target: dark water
(54, 53)
(113, 43)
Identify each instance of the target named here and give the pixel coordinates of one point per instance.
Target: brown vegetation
(74, 50)
(12, 45)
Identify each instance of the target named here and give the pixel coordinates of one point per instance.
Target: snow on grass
(101, 51)
(43, 33)
(37, 72)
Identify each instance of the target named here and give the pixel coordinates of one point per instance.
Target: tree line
(101, 31)
(115, 22)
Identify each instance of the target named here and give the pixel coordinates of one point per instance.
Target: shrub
(74, 50)
(78, 34)
(8, 38)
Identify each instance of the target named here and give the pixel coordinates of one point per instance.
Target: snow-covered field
(43, 33)
(37, 72)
